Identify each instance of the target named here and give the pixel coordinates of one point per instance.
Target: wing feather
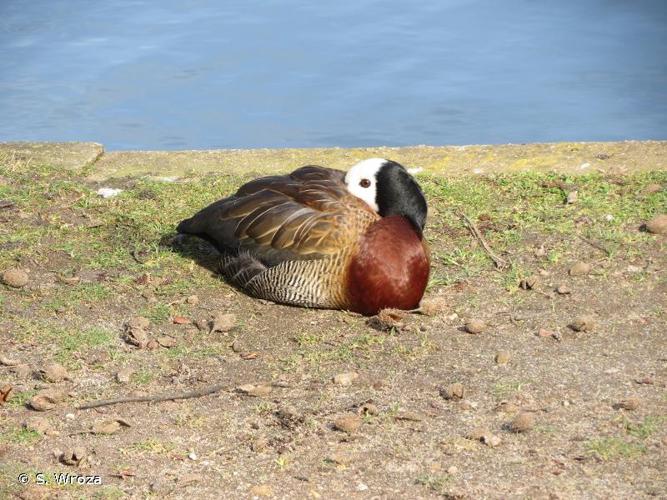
(306, 214)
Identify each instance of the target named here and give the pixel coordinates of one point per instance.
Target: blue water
(169, 74)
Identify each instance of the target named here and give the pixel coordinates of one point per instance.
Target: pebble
(452, 470)
(37, 424)
(223, 322)
(362, 487)
(70, 416)
(54, 372)
(453, 391)
(543, 332)
(16, 278)
(124, 375)
(257, 391)
(503, 357)
(475, 326)
(523, 422)
(491, 440)
(192, 455)
(530, 282)
(261, 490)
(348, 423)
(563, 290)
(345, 379)
(629, 404)
(583, 324)
(5, 361)
(21, 371)
(572, 197)
(657, 225)
(580, 269)
(433, 306)
(192, 300)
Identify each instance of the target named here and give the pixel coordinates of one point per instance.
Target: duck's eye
(364, 183)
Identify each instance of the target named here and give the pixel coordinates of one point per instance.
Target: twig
(595, 245)
(154, 399)
(498, 261)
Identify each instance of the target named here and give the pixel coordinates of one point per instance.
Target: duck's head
(389, 189)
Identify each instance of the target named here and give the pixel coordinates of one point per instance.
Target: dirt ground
(328, 404)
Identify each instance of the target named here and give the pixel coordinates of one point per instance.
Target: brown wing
(307, 214)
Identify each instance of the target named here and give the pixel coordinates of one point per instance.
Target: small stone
(572, 197)
(432, 306)
(70, 416)
(361, 487)
(180, 320)
(106, 427)
(338, 458)
(657, 225)
(192, 455)
(257, 391)
(453, 391)
(124, 375)
(167, 342)
(507, 407)
(503, 357)
(54, 372)
(580, 269)
(74, 456)
(223, 323)
(348, 423)
(5, 361)
(523, 422)
(46, 400)
(38, 424)
(452, 470)
(475, 326)
(478, 433)
(583, 324)
(138, 322)
(16, 278)
(261, 490)
(652, 188)
(629, 404)
(491, 440)
(345, 379)
(633, 269)
(563, 290)
(387, 319)
(543, 332)
(260, 444)
(368, 409)
(193, 300)
(530, 282)
(21, 371)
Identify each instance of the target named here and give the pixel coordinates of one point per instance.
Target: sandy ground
(327, 404)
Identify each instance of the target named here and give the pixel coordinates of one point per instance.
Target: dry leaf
(5, 390)
(181, 320)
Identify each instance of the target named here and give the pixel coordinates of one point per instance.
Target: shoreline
(565, 157)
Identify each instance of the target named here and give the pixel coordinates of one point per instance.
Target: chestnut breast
(390, 268)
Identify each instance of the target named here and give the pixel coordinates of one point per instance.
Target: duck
(324, 238)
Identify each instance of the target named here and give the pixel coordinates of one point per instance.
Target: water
(240, 74)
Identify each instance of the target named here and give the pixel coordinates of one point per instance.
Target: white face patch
(361, 180)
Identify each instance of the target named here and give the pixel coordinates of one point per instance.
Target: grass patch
(19, 435)
(645, 429)
(611, 448)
